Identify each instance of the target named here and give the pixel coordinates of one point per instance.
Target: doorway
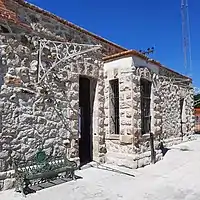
(85, 138)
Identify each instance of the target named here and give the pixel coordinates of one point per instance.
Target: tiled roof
(140, 55)
(124, 54)
(7, 14)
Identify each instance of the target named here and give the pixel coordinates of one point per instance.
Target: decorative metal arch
(55, 53)
(60, 52)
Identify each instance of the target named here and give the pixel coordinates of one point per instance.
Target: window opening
(114, 106)
(145, 87)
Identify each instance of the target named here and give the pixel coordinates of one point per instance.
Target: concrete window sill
(112, 137)
(147, 135)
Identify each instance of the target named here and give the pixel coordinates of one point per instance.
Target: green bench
(42, 168)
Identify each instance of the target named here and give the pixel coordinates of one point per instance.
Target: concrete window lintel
(112, 137)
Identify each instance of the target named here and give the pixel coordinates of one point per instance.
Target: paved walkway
(176, 177)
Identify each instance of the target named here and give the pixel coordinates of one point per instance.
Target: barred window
(114, 106)
(145, 89)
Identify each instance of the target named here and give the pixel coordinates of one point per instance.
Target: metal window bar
(145, 106)
(114, 84)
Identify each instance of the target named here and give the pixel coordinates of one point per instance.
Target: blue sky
(137, 24)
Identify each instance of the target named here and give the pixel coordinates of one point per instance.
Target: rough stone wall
(47, 113)
(45, 23)
(131, 148)
(167, 112)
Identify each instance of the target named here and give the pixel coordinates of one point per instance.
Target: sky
(137, 24)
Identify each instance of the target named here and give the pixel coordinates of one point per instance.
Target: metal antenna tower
(186, 38)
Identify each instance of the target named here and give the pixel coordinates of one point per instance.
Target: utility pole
(186, 38)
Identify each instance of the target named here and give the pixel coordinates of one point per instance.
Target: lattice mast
(186, 38)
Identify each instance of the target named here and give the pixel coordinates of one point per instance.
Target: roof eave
(142, 56)
(65, 22)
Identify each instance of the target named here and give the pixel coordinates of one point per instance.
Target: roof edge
(65, 22)
(142, 56)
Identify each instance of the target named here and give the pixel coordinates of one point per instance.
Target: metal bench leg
(70, 173)
(27, 189)
(73, 175)
(67, 173)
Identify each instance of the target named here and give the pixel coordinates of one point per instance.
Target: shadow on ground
(47, 184)
(106, 168)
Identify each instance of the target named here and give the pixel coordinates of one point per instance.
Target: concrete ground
(176, 177)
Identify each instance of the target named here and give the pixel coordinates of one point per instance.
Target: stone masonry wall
(47, 113)
(130, 148)
(43, 22)
(167, 112)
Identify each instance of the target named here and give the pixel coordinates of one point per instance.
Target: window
(114, 106)
(145, 89)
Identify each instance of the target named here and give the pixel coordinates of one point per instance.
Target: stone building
(56, 93)
(143, 96)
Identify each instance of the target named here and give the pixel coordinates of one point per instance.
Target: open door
(85, 137)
